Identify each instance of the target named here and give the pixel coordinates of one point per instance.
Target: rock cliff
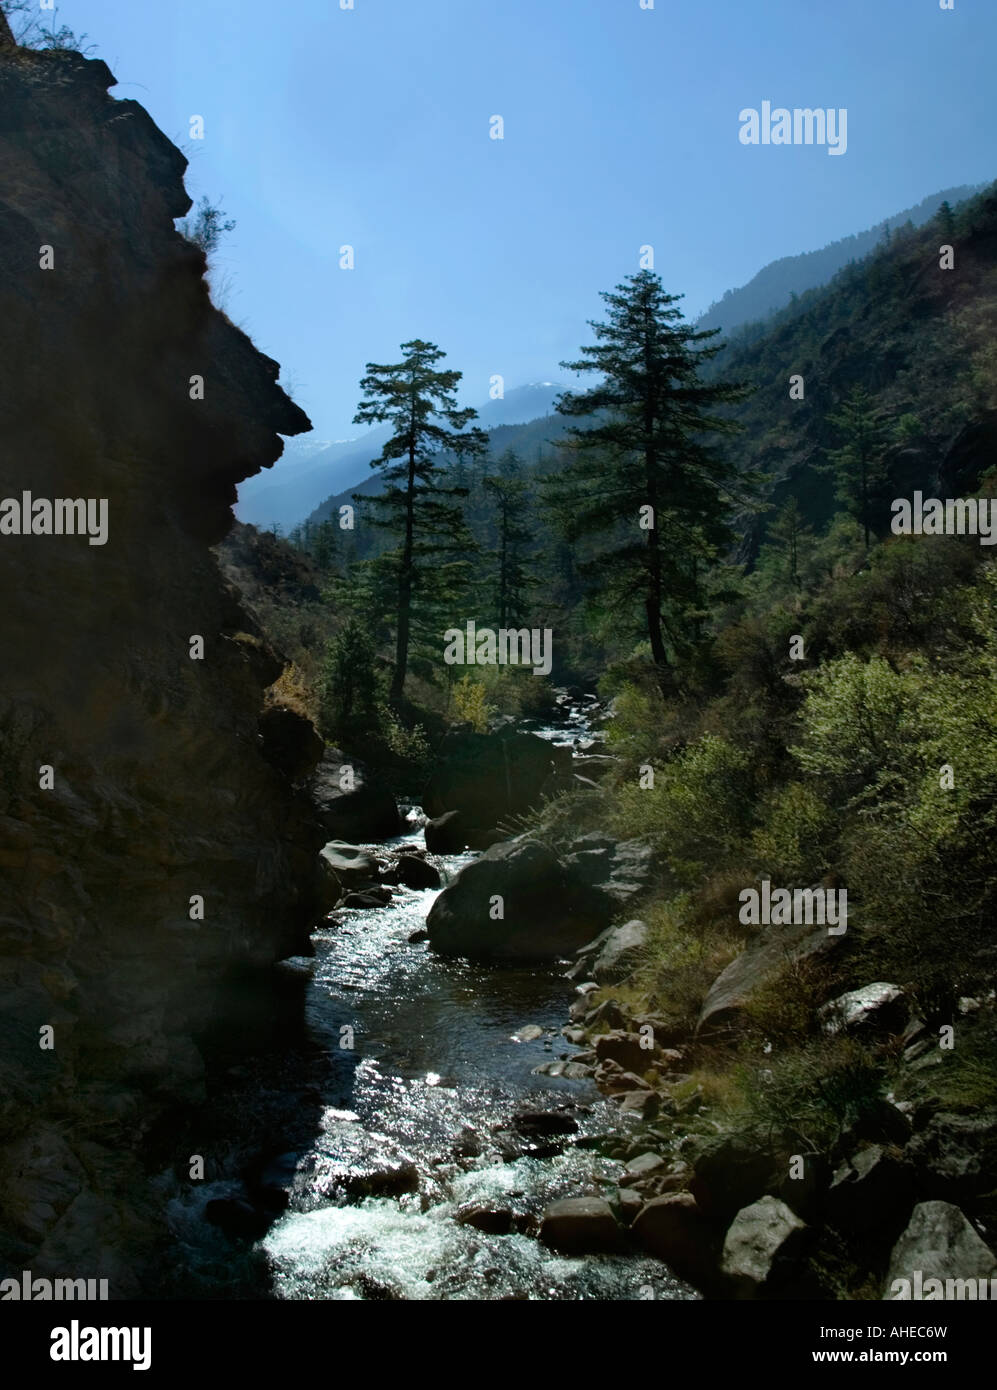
(133, 781)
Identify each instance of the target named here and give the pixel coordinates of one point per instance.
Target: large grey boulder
(762, 1247)
(619, 952)
(516, 902)
(773, 948)
(364, 809)
(939, 1243)
(353, 867)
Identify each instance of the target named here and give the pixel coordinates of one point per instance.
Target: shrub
(471, 703)
(698, 811)
(348, 690)
(796, 841)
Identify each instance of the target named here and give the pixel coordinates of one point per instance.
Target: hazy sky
(370, 127)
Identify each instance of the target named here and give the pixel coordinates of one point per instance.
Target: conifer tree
(644, 479)
(509, 492)
(786, 533)
(431, 558)
(857, 465)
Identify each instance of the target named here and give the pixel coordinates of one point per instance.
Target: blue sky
(370, 127)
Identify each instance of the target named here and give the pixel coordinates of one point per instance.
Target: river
(431, 1072)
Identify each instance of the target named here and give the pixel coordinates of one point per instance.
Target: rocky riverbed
(462, 1148)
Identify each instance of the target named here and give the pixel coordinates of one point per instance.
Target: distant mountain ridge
(776, 283)
(304, 477)
(309, 482)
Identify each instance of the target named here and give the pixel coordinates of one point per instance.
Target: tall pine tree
(645, 481)
(509, 493)
(858, 465)
(419, 401)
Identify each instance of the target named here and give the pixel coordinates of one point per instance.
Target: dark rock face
(446, 834)
(352, 804)
(160, 792)
(290, 742)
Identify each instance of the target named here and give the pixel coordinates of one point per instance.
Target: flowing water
(420, 1093)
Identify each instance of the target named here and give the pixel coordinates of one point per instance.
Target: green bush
(699, 810)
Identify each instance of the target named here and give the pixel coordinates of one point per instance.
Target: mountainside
(919, 338)
(775, 284)
(151, 853)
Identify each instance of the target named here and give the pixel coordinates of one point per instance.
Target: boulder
(446, 834)
(762, 1248)
(673, 1228)
(290, 742)
(625, 1048)
(366, 810)
(646, 1104)
(954, 1155)
(620, 953)
(878, 1009)
(607, 1014)
(378, 896)
(535, 1122)
(391, 1179)
(772, 948)
(629, 1204)
(353, 867)
(414, 872)
(488, 777)
(874, 1191)
(492, 1220)
(731, 1173)
(580, 1226)
(545, 916)
(939, 1243)
(621, 869)
(645, 1165)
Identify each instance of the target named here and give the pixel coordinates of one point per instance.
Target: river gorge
(440, 1138)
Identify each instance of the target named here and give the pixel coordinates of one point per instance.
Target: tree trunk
(405, 585)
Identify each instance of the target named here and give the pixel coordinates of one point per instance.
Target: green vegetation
(431, 561)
